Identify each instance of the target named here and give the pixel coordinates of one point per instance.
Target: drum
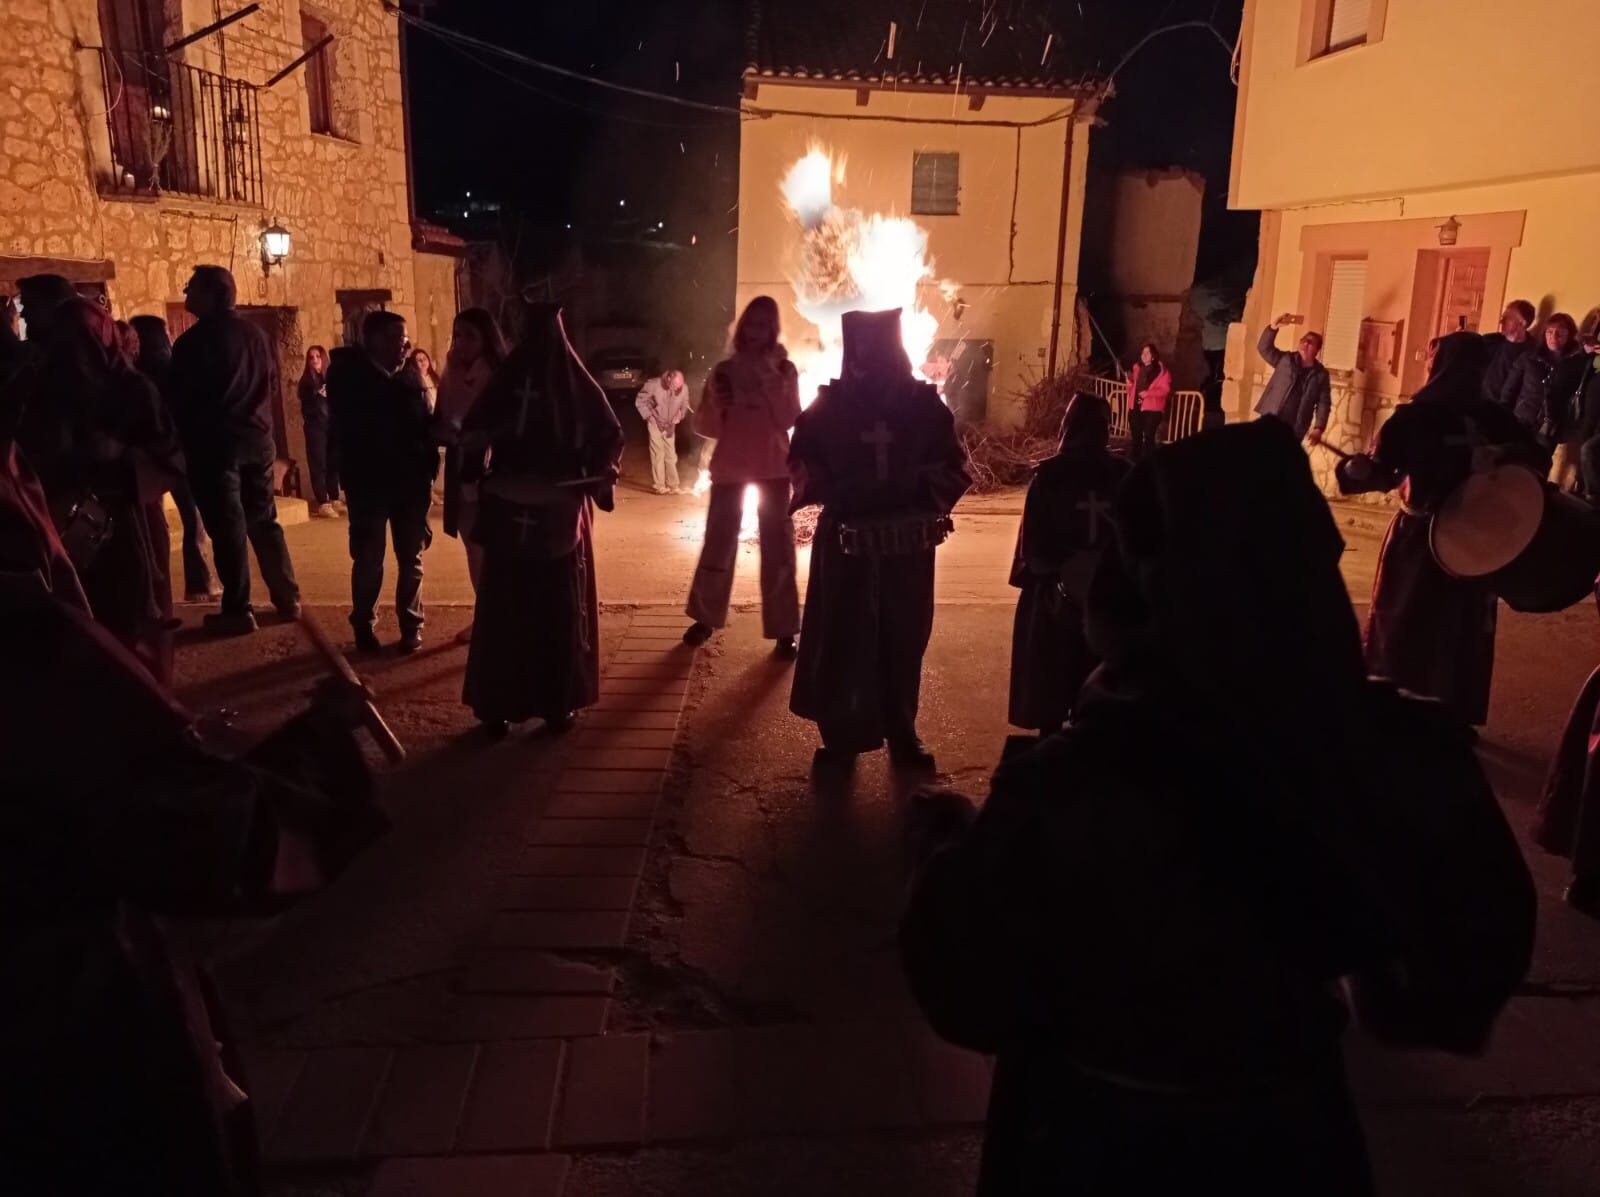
(893, 535)
(1535, 547)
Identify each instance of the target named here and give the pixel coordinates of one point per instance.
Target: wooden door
(141, 123)
(1462, 284)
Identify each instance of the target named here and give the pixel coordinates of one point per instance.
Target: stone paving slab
(582, 860)
(482, 1017)
(590, 832)
(568, 893)
(607, 781)
(531, 971)
(512, 1099)
(473, 1176)
(422, 1100)
(586, 805)
(591, 929)
(603, 1100)
(332, 1102)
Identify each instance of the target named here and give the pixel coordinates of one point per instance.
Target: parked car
(619, 371)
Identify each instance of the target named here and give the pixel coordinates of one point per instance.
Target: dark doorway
(354, 306)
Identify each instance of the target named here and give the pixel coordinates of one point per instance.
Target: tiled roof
(428, 237)
(988, 44)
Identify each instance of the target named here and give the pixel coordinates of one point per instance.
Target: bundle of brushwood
(1002, 458)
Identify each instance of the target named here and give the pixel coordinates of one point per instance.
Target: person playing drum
(878, 450)
(1429, 632)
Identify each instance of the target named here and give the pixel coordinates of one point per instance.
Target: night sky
(557, 151)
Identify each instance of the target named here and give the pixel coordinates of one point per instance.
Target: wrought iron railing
(176, 128)
(1185, 409)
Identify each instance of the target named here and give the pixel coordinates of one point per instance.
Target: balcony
(174, 129)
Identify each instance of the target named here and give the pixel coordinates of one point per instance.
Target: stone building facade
(125, 162)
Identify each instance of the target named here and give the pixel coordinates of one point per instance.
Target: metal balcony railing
(174, 128)
(1185, 409)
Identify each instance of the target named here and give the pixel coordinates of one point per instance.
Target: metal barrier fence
(179, 129)
(1184, 409)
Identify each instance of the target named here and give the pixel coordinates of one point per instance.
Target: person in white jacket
(664, 402)
(751, 400)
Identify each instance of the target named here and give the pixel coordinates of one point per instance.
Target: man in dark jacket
(388, 459)
(1298, 393)
(1507, 346)
(224, 374)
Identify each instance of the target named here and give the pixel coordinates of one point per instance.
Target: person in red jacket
(1149, 385)
(751, 401)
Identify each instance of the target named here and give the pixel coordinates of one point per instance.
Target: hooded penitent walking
(1428, 632)
(117, 1072)
(546, 444)
(878, 451)
(1150, 941)
(100, 438)
(1066, 524)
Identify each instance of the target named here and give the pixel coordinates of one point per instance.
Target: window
(1347, 297)
(319, 75)
(935, 184)
(1348, 23)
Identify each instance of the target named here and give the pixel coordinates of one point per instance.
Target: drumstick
(371, 719)
(1336, 451)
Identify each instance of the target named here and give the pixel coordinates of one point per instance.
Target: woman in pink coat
(1149, 385)
(751, 401)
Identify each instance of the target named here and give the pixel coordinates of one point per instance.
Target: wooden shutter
(1348, 23)
(935, 184)
(1347, 296)
(319, 80)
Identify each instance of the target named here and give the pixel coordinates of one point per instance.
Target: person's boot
(909, 752)
(367, 641)
(561, 724)
(230, 623)
(495, 729)
(698, 634)
(1583, 894)
(785, 649)
(289, 610)
(410, 640)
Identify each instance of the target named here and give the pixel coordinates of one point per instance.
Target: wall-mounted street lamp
(274, 247)
(1449, 231)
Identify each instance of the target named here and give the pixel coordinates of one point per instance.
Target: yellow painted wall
(1454, 92)
(1000, 249)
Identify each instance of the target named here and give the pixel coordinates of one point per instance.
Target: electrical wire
(485, 64)
(447, 34)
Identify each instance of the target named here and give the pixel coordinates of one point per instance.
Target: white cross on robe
(527, 393)
(1097, 508)
(880, 438)
(524, 521)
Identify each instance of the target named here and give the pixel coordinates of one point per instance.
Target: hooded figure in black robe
(1428, 632)
(876, 444)
(1150, 942)
(1569, 813)
(1066, 522)
(106, 450)
(546, 444)
(117, 1074)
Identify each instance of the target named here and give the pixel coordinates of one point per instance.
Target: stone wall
(344, 202)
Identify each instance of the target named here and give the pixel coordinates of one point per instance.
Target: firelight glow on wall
(274, 247)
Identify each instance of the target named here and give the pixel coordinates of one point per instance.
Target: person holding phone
(1298, 393)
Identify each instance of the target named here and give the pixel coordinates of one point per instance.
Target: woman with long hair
(321, 451)
(476, 350)
(422, 361)
(751, 401)
(1149, 385)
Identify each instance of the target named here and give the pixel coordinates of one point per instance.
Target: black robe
(1569, 814)
(1428, 632)
(1065, 523)
(536, 632)
(1149, 939)
(116, 1073)
(864, 450)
